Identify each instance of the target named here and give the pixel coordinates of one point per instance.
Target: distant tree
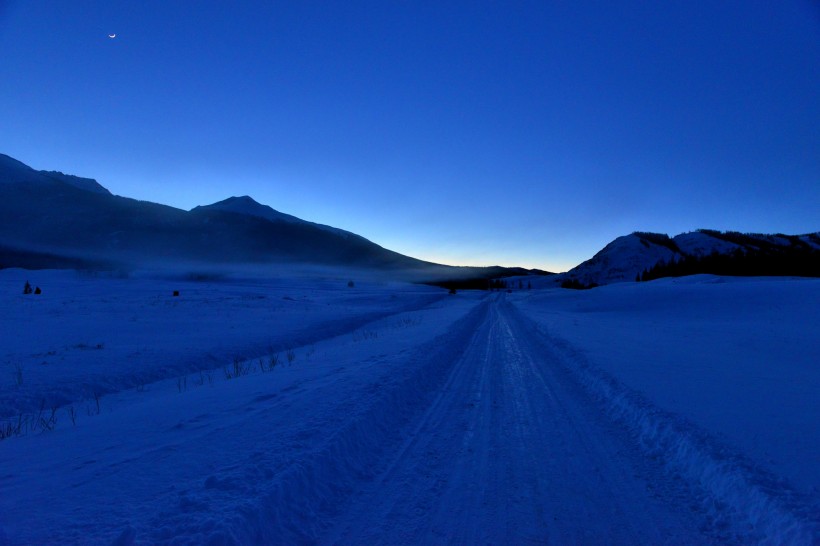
(575, 284)
(520, 284)
(38, 291)
(498, 284)
(350, 284)
(27, 288)
(529, 285)
(452, 291)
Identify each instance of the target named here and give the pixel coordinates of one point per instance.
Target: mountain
(247, 205)
(652, 255)
(15, 172)
(87, 184)
(50, 219)
(624, 258)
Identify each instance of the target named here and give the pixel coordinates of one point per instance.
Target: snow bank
(717, 377)
(758, 505)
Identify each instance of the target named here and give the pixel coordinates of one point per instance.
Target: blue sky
(517, 133)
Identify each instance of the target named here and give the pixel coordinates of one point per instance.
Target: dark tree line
(575, 284)
(480, 284)
(765, 260)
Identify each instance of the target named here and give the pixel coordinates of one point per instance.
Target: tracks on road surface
(510, 451)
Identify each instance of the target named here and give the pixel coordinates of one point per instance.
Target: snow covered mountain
(627, 258)
(624, 258)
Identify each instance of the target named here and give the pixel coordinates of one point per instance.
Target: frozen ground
(87, 335)
(671, 412)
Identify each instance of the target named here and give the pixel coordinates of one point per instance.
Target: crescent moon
(112, 35)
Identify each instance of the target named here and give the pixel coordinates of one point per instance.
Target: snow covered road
(510, 452)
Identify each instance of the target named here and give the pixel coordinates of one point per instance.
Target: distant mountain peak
(242, 199)
(9, 162)
(246, 204)
(87, 184)
(13, 171)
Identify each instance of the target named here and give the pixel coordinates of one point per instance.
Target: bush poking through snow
(238, 369)
(13, 427)
(46, 420)
(270, 364)
(407, 322)
(362, 335)
(97, 409)
(18, 374)
(87, 347)
(291, 356)
(72, 414)
(203, 377)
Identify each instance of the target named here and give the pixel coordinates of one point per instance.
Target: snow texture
(697, 243)
(304, 410)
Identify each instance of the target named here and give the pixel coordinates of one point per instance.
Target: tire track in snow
(293, 505)
(510, 453)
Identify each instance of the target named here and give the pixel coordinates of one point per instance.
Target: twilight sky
(475, 132)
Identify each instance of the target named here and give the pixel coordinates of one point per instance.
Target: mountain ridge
(246, 204)
(50, 217)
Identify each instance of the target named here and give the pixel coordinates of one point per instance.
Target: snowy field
(739, 357)
(87, 335)
(282, 411)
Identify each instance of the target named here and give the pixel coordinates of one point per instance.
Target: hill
(646, 256)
